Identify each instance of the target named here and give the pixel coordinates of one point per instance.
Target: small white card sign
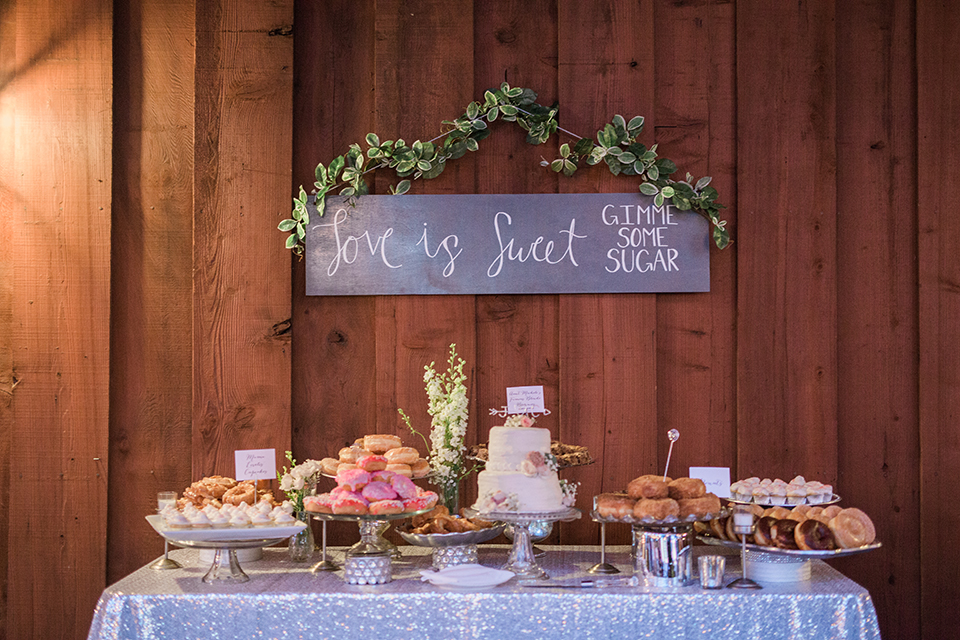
(525, 400)
(256, 464)
(717, 479)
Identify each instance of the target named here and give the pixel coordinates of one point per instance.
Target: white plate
(466, 577)
(227, 534)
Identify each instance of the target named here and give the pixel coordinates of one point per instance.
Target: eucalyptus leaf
(472, 110)
(667, 191)
(635, 124)
(627, 158)
(287, 224)
(292, 241)
(702, 182)
(652, 172)
(472, 144)
(649, 189)
(509, 110)
(583, 146)
(373, 140)
(557, 165)
(619, 122)
(658, 200)
(569, 168)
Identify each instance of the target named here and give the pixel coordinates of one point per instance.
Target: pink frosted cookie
(322, 503)
(404, 487)
(353, 479)
(386, 506)
(350, 503)
(379, 491)
(372, 463)
(426, 500)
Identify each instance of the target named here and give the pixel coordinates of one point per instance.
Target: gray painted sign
(501, 244)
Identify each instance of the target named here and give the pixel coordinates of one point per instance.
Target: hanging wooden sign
(506, 244)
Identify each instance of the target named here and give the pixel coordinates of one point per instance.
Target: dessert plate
(466, 577)
(227, 534)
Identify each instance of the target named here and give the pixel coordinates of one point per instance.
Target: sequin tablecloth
(285, 600)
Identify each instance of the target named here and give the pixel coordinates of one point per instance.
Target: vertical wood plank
(334, 341)
(241, 367)
(59, 182)
(938, 159)
(422, 45)
(786, 192)
(517, 336)
(607, 343)
(876, 293)
(696, 127)
(150, 332)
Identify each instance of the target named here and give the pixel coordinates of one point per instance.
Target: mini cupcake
(826, 493)
(219, 521)
(199, 520)
(778, 493)
(176, 520)
(284, 519)
(761, 494)
(240, 520)
(260, 519)
(796, 494)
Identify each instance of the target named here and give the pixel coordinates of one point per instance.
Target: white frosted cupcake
(199, 520)
(284, 519)
(219, 521)
(176, 520)
(260, 519)
(796, 494)
(287, 506)
(761, 495)
(240, 520)
(778, 493)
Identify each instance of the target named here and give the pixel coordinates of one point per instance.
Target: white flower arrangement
(447, 405)
(296, 481)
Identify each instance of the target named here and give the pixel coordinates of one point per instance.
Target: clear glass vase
(450, 497)
(300, 546)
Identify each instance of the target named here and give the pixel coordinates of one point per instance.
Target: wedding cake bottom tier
(537, 493)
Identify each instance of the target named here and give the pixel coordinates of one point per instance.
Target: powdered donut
(648, 486)
(615, 505)
(656, 509)
(699, 507)
(686, 488)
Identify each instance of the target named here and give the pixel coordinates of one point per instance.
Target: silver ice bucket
(663, 555)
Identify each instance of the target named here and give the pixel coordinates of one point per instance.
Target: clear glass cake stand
(521, 559)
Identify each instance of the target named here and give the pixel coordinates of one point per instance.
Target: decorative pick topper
(673, 435)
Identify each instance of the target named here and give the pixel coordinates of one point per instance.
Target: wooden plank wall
(827, 345)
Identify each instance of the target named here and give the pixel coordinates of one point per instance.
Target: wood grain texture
(607, 343)
(62, 86)
(786, 193)
(938, 162)
(696, 333)
(150, 330)
(517, 336)
(241, 372)
(877, 327)
(334, 343)
(413, 331)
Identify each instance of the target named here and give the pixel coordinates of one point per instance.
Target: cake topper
(673, 435)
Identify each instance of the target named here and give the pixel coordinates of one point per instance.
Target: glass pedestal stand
(372, 543)
(603, 567)
(371, 537)
(226, 568)
(521, 559)
(324, 564)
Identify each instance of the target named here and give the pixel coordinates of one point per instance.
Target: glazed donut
(763, 532)
(350, 454)
(852, 528)
(402, 455)
(244, 492)
(353, 479)
(776, 512)
(350, 503)
(813, 535)
(378, 491)
(648, 486)
(699, 507)
(346, 466)
(802, 510)
(656, 509)
(686, 488)
(381, 442)
(832, 511)
(404, 486)
(782, 534)
(615, 505)
(322, 503)
(385, 506)
(729, 530)
(372, 463)
(795, 515)
(382, 476)
(420, 468)
(401, 469)
(328, 466)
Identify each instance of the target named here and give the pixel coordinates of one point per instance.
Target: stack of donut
(658, 499)
(376, 452)
(378, 492)
(806, 527)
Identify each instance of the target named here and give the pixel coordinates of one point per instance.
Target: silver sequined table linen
(285, 600)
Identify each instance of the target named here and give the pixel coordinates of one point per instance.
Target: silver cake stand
(521, 560)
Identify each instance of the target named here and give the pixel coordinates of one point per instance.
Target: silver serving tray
(452, 539)
(796, 553)
(224, 536)
(833, 500)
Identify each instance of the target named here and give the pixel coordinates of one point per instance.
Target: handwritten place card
(717, 479)
(256, 464)
(525, 400)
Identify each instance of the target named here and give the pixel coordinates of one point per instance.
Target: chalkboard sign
(498, 244)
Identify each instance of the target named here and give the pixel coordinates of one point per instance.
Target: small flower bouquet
(447, 406)
(299, 480)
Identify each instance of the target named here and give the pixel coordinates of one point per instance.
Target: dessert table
(284, 599)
